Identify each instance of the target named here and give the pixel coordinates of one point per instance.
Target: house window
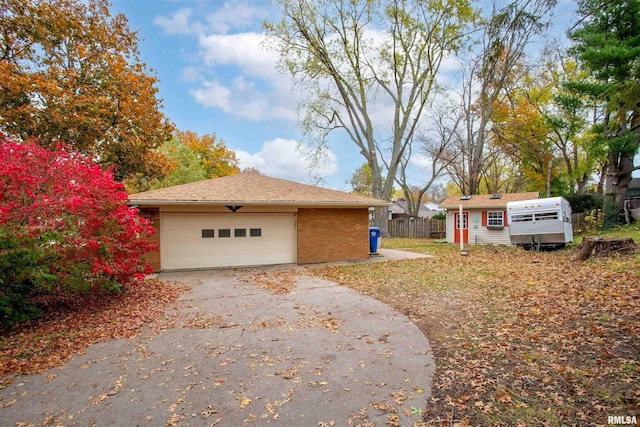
(208, 233)
(495, 219)
(224, 232)
(464, 221)
(255, 232)
(240, 232)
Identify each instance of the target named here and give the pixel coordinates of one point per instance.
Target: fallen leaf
(244, 402)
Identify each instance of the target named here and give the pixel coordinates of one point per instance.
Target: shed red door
(464, 225)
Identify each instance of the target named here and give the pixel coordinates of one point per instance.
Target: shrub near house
(64, 227)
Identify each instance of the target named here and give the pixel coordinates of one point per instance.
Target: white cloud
(241, 98)
(234, 14)
(288, 159)
(243, 50)
(213, 94)
(178, 23)
(190, 74)
(256, 91)
(421, 161)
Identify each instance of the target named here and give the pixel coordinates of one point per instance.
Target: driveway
(268, 346)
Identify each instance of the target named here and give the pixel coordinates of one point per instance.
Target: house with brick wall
(250, 219)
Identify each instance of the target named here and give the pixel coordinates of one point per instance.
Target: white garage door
(190, 240)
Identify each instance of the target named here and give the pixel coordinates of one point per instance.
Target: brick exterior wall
(326, 235)
(153, 214)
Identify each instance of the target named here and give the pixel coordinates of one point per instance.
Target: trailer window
(545, 216)
(522, 218)
(495, 219)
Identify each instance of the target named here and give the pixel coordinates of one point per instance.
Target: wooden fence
(577, 222)
(418, 228)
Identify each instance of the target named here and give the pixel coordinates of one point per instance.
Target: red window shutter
(484, 218)
(504, 218)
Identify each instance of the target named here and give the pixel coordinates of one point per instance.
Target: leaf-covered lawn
(72, 323)
(520, 338)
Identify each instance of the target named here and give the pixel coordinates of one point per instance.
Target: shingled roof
(251, 189)
(480, 201)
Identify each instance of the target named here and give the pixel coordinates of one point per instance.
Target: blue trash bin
(374, 239)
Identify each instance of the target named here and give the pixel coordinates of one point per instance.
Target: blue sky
(216, 76)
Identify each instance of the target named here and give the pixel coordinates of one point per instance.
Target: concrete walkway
(319, 355)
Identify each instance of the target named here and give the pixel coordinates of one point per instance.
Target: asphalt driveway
(272, 346)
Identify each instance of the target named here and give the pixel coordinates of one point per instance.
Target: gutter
(148, 202)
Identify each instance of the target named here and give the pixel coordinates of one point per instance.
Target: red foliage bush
(64, 221)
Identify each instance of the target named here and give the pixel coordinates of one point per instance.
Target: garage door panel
(184, 247)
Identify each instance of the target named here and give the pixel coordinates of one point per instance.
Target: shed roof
(251, 189)
(480, 201)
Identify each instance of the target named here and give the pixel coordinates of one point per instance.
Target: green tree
(361, 181)
(215, 157)
(607, 43)
(70, 72)
(352, 57)
(185, 166)
(567, 115)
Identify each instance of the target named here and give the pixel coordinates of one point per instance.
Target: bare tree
(435, 146)
(489, 71)
(367, 68)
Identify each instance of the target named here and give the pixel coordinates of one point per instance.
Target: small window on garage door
(208, 233)
(240, 232)
(224, 232)
(255, 232)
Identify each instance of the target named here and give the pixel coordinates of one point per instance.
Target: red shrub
(62, 207)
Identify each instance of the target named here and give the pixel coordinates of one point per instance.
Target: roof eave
(162, 202)
(474, 207)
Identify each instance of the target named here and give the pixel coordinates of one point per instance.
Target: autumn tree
(492, 66)
(216, 159)
(521, 132)
(190, 158)
(607, 44)
(70, 72)
(355, 58)
(64, 227)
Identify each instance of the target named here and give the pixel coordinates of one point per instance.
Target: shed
(484, 218)
(250, 219)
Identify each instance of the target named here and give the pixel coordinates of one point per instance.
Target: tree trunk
(381, 220)
(604, 247)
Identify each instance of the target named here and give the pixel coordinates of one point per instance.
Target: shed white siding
(481, 235)
(450, 229)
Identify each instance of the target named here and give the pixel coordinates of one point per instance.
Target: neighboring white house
(399, 209)
(484, 218)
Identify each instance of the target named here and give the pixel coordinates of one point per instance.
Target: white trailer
(540, 223)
